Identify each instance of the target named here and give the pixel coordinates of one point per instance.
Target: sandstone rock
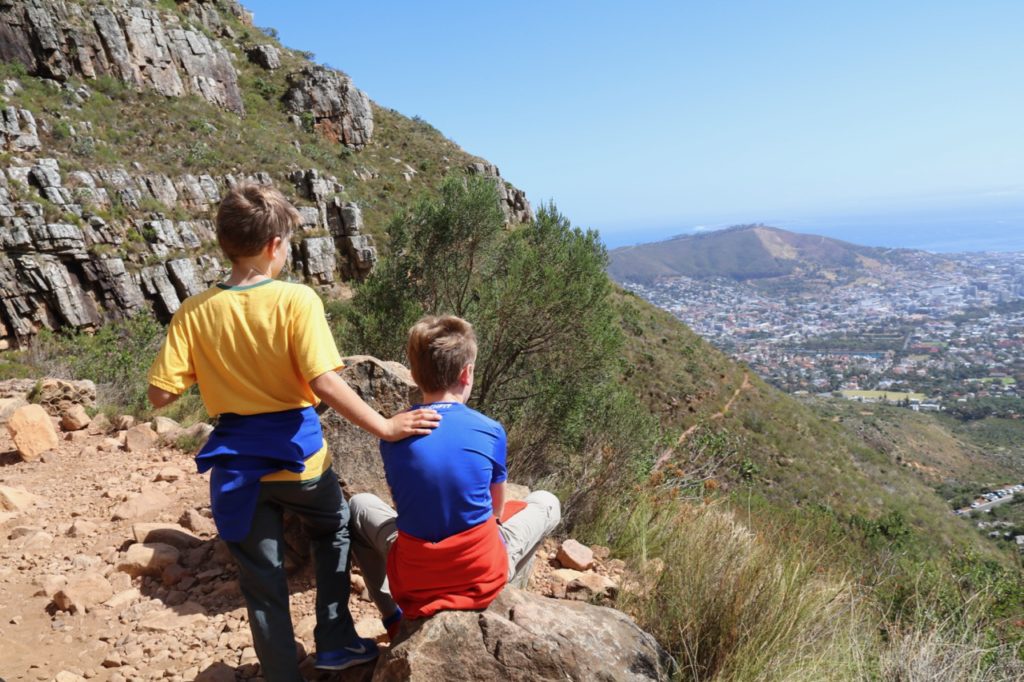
(197, 523)
(370, 627)
(148, 559)
(75, 418)
(341, 112)
(187, 615)
(8, 406)
(123, 422)
(83, 593)
(50, 585)
(100, 424)
(165, 533)
(32, 432)
(141, 438)
(165, 426)
(81, 528)
(524, 637)
(16, 499)
(68, 676)
(388, 388)
(36, 542)
(123, 598)
(572, 554)
(57, 395)
(170, 474)
(141, 505)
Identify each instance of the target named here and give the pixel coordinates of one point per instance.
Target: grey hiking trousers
(374, 531)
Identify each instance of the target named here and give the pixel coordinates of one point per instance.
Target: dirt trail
(685, 435)
(188, 622)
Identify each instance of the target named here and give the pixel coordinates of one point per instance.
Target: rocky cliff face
(63, 265)
(84, 240)
(131, 42)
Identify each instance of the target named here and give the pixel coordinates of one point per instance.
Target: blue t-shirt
(441, 482)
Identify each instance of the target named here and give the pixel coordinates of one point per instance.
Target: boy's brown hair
(439, 347)
(250, 216)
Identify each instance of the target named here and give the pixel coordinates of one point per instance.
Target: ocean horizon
(936, 232)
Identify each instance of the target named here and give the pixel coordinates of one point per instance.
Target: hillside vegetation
(770, 540)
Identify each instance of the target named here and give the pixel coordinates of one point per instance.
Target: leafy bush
(546, 325)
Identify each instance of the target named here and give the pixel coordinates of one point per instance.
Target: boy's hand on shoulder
(418, 422)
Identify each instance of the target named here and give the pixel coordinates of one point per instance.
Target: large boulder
(388, 388)
(32, 432)
(525, 637)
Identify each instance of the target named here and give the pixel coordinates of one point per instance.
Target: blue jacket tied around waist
(244, 448)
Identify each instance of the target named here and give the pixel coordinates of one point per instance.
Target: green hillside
(766, 538)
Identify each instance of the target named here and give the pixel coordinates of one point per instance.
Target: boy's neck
(246, 271)
(444, 397)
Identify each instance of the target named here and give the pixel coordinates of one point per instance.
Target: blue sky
(652, 118)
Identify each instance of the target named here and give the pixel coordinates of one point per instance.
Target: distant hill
(752, 252)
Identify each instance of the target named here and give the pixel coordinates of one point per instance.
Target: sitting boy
(452, 543)
(263, 357)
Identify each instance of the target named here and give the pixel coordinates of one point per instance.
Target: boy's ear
(466, 375)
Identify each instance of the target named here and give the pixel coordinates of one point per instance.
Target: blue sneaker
(362, 651)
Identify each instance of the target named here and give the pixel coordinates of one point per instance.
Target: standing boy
(453, 543)
(263, 357)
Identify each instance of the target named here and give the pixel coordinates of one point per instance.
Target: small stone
(16, 620)
(67, 676)
(141, 438)
(164, 426)
(51, 585)
(197, 523)
(32, 432)
(74, 418)
(167, 533)
(370, 627)
(123, 598)
(148, 559)
(170, 474)
(123, 423)
(172, 575)
(81, 528)
(83, 593)
(100, 424)
(572, 554)
(37, 542)
(146, 503)
(16, 499)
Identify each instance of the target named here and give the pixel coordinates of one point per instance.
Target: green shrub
(546, 325)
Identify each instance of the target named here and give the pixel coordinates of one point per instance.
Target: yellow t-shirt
(252, 349)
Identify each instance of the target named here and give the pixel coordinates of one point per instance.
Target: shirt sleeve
(313, 349)
(500, 472)
(173, 369)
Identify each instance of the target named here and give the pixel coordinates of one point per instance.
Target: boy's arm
(498, 498)
(333, 390)
(158, 397)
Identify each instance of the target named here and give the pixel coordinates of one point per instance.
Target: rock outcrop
(513, 201)
(80, 270)
(525, 637)
(340, 111)
(388, 388)
(135, 44)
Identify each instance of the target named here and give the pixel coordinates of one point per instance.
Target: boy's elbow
(158, 397)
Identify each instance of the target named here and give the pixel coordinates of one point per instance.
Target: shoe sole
(352, 662)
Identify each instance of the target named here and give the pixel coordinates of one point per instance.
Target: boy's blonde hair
(439, 347)
(250, 216)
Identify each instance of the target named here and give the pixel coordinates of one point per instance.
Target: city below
(937, 333)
